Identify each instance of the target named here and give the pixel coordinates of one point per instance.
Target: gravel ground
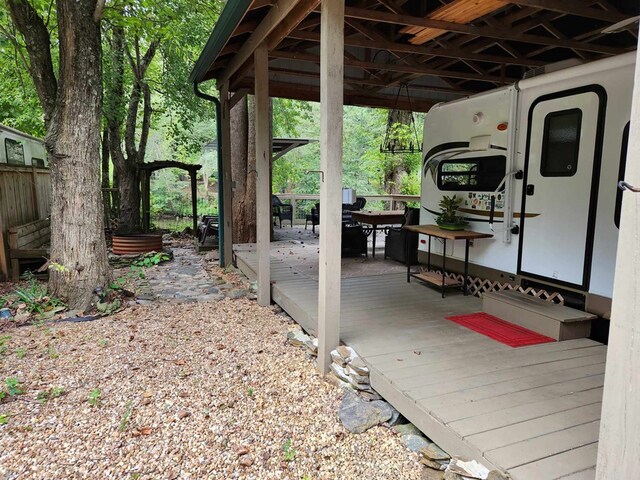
(192, 390)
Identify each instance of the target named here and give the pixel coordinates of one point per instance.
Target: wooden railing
(302, 203)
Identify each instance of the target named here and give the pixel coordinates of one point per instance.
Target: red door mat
(500, 330)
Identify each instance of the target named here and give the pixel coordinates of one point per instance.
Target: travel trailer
(20, 149)
(537, 164)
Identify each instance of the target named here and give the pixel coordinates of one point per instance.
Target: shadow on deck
(531, 411)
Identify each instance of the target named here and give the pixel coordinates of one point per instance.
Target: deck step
(555, 321)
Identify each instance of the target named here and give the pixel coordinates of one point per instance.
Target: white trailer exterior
(550, 150)
(19, 149)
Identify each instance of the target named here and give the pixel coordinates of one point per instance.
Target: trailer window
(37, 162)
(15, 152)
(561, 143)
(480, 174)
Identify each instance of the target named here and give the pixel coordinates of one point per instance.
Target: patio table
(436, 231)
(377, 219)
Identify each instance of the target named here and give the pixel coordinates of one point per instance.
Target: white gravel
(189, 391)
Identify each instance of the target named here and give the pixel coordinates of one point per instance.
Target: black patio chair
(394, 245)
(281, 211)
(313, 217)
(348, 208)
(209, 225)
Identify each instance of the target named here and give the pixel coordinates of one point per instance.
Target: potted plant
(449, 218)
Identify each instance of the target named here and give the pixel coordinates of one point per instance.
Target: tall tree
(72, 105)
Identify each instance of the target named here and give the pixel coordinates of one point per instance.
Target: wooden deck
(532, 411)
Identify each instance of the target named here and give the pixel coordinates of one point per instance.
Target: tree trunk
(106, 184)
(243, 171)
(78, 248)
(129, 190)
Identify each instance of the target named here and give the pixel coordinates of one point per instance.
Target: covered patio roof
(441, 49)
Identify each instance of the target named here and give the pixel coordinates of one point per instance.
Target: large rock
(340, 373)
(347, 353)
(434, 452)
(359, 367)
(355, 376)
(407, 429)
(358, 416)
(297, 338)
(415, 443)
(338, 359)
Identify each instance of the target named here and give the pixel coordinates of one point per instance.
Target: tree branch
(38, 45)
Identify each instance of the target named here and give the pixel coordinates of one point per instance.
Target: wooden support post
(263, 183)
(34, 191)
(331, 118)
(194, 200)
(620, 423)
(227, 192)
(4, 257)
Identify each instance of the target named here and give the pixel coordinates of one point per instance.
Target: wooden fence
(25, 196)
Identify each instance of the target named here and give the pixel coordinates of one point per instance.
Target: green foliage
(45, 395)
(94, 397)
(449, 209)
(124, 421)
(36, 298)
(4, 344)
(250, 392)
(12, 387)
(4, 418)
(103, 342)
(21, 353)
(289, 451)
(151, 259)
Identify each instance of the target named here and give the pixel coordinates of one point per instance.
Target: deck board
(532, 411)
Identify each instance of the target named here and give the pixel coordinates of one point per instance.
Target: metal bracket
(622, 185)
(316, 171)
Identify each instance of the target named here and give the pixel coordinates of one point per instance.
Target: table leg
(466, 266)
(429, 255)
(373, 247)
(406, 256)
(444, 262)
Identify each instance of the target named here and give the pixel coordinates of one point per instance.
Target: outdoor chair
(348, 208)
(395, 243)
(354, 240)
(313, 217)
(281, 211)
(208, 226)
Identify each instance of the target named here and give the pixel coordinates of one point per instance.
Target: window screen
(15, 152)
(480, 174)
(561, 143)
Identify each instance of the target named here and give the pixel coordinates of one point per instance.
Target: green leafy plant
(21, 353)
(4, 341)
(52, 352)
(12, 385)
(449, 210)
(36, 298)
(250, 392)
(4, 418)
(124, 421)
(94, 397)
(151, 259)
(289, 451)
(46, 395)
(103, 342)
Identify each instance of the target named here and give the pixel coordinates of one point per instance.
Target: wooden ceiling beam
(286, 26)
(449, 52)
(572, 7)
(502, 34)
(312, 94)
(371, 82)
(389, 67)
(276, 15)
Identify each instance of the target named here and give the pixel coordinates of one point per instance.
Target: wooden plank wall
(25, 196)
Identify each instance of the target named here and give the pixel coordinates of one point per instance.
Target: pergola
(360, 52)
(147, 169)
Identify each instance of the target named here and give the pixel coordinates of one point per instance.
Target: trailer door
(564, 145)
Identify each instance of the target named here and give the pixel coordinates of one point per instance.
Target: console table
(376, 219)
(435, 231)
